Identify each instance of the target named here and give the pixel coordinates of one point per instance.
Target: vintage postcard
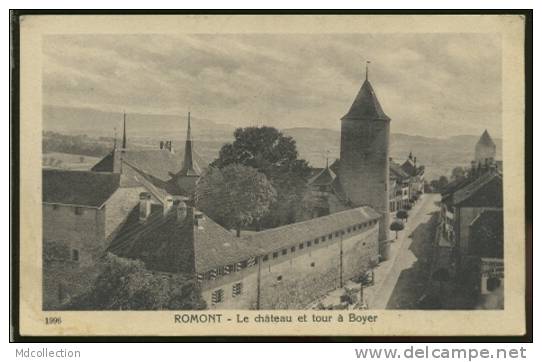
(272, 175)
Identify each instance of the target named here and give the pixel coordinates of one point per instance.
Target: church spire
(367, 70)
(124, 131)
(190, 167)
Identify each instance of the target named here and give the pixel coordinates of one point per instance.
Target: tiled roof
(323, 178)
(83, 188)
(366, 105)
(397, 171)
(164, 245)
(159, 163)
(485, 191)
(216, 246)
(105, 164)
(293, 234)
(455, 185)
(409, 167)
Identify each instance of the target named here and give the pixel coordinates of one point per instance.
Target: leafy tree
(402, 214)
(397, 225)
(458, 173)
(442, 182)
(275, 155)
(235, 195)
(124, 284)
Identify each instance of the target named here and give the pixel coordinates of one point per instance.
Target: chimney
(168, 204)
(182, 211)
(199, 219)
(144, 206)
(414, 161)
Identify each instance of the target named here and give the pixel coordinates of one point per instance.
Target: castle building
(83, 211)
(362, 174)
(485, 149)
(281, 268)
(364, 167)
(165, 170)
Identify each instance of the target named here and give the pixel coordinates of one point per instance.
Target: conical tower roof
(485, 139)
(366, 105)
(190, 167)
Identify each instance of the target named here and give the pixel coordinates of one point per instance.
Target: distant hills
(439, 155)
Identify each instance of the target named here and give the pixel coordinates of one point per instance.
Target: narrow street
(408, 267)
(400, 281)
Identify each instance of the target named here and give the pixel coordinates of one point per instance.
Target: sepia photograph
(332, 171)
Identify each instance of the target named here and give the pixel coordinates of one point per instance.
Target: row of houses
(406, 185)
(470, 236)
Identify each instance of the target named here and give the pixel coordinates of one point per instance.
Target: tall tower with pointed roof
(364, 164)
(190, 172)
(485, 149)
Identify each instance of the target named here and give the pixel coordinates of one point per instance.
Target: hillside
(439, 155)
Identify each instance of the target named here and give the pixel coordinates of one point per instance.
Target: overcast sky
(429, 84)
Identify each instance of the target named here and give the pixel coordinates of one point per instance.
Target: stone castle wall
(294, 280)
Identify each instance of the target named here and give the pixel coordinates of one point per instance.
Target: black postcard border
(14, 114)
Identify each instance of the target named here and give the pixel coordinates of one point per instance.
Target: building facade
(472, 226)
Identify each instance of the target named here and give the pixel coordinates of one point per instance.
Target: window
(279, 278)
(342, 232)
(55, 207)
(275, 254)
(309, 243)
(329, 236)
(292, 249)
(78, 211)
(313, 264)
(265, 258)
(348, 230)
(301, 246)
(284, 251)
(336, 233)
(323, 238)
(316, 241)
(237, 289)
(217, 296)
(75, 255)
